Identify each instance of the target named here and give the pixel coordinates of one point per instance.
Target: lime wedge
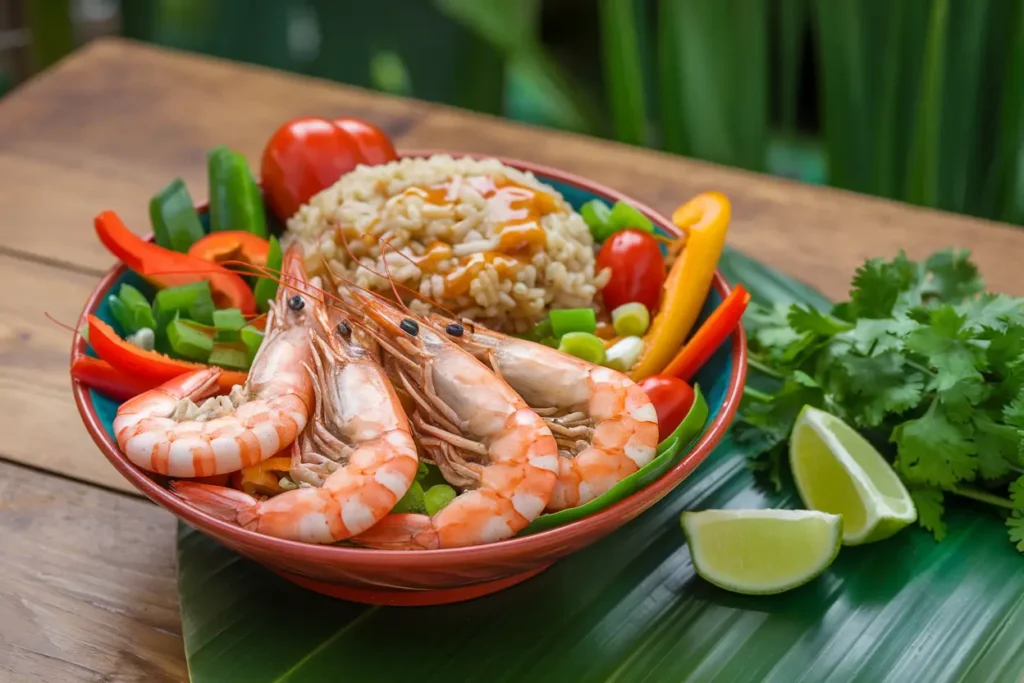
(758, 552)
(838, 471)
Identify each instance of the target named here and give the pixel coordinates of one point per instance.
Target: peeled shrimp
(605, 425)
(164, 431)
(359, 424)
(464, 411)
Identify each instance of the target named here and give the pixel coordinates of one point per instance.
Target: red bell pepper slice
(710, 336)
(104, 377)
(150, 366)
(231, 245)
(165, 268)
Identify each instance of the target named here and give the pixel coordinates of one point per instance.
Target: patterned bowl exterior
(439, 576)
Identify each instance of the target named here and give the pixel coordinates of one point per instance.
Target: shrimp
(466, 412)
(358, 422)
(164, 431)
(605, 424)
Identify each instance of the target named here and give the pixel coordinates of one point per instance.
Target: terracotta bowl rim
(596, 525)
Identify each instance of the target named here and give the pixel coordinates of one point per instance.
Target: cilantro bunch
(922, 361)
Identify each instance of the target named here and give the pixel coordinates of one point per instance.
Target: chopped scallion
(583, 345)
(566, 320)
(631, 320)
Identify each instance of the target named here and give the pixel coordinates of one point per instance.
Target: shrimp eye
(410, 326)
(455, 329)
(296, 303)
(344, 330)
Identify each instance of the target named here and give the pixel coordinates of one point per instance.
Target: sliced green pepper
(566, 320)
(266, 288)
(139, 309)
(625, 215)
(252, 338)
(231, 356)
(194, 301)
(188, 342)
(235, 199)
(176, 223)
(412, 501)
(596, 214)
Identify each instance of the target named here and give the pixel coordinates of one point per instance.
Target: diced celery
(188, 342)
(566, 320)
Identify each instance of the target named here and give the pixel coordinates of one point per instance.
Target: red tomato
(672, 399)
(638, 269)
(309, 154)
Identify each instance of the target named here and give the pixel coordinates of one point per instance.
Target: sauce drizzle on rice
(485, 240)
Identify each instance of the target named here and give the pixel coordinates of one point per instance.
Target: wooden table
(87, 573)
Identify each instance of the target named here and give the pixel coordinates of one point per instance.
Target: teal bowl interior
(713, 377)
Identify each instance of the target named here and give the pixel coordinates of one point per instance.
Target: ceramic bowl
(438, 576)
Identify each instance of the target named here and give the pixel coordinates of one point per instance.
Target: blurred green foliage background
(916, 100)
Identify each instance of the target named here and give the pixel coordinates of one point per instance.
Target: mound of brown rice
(445, 237)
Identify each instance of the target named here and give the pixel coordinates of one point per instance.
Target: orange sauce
(516, 208)
(458, 281)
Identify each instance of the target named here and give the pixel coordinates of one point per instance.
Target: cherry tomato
(309, 154)
(638, 269)
(672, 399)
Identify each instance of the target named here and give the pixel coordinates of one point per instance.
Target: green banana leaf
(631, 608)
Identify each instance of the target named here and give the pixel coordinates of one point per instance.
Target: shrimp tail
(405, 531)
(226, 504)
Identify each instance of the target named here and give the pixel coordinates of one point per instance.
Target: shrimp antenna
(422, 297)
(61, 324)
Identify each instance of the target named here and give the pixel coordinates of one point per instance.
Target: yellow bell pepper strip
(263, 478)
(705, 220)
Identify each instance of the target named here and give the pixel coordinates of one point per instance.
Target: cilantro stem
(763, 367)
(756, 395)
(981, 497)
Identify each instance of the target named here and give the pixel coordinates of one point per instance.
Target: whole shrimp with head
(605, 424)
(163, 430)
(358, 426)
(464, 412)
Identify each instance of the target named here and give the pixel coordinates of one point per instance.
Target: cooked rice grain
(371, 205)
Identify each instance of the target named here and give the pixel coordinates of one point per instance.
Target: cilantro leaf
(878, 284)
(930, 508)
(1017, 493)
(997, 444)
(1013, 412)
(951, 276)
(933, 450)
(1015, 524)
(993, 311)
(872, 336)
(880, 385)
(807, 319)
(946, 348)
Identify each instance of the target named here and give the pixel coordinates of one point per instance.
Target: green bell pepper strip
(176, 223)
(234, 356)
(193, 301)
(187, 342)
(235, 199)
(412, 501)
(265, 289)
(669, 452)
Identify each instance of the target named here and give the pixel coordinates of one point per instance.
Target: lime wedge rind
(881, 513)
(761, 552)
